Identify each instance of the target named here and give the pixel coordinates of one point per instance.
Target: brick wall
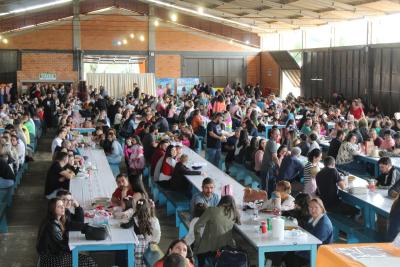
(270, 73)
(35, 63)
(168, 66)
(253, 69)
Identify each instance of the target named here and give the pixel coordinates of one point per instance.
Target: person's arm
(275, 159)
(322, 230)
(66, 174)
(394, 190)
(156, 233)
(57, 237)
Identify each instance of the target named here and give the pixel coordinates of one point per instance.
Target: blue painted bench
(175, 202)
(3, 219)
(356, 233)
(6, 195)
(183, 223)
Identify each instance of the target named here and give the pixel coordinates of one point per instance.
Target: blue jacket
(323, 230)
(290, 168)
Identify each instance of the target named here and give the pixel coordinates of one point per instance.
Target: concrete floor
(17, 247)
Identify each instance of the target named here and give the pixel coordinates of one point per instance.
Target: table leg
(376, 169)
(367, 216)
(372, 219)
(261, 257)
(313, 256)
(131, 255)
(75, 257)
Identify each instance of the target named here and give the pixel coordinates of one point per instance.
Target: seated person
(300, 211)
(304, 145)
(198, 211)
(388, 142)
(389, 176)
(57, 176)
(313, 141)
(335, 143)
(180, 247)
(291, 167)
(7, 176)
(206, 196)
(394, 220)
(179, 183)
(319, 226)
(281, 199)
(73, 221)
(348, 149)
(175, 260)
(328, 182)
(123, 190)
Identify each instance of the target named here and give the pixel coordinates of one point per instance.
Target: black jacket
(51, 239)
(74, 221)
(179, 182)
(5, 171)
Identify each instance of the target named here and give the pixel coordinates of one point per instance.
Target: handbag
(231, 257)
(95, 232)
(152, 254)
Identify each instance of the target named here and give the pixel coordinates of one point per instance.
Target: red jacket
(159, 153)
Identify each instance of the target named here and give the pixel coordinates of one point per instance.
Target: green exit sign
(47, 76)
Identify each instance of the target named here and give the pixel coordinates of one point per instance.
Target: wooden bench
(3, 219)
(183, 223)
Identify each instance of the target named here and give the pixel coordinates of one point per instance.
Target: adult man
(270, 161)
(328, 183)
(291, 167)
(123, 190)
(214, 139)
(335, 143)
(57, 141)
(149, 142)
(57, 177)
(389, 176)
(161, 123)
(206, 196)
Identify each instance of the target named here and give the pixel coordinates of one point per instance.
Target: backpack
(231, 257)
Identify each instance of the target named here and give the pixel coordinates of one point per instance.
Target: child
(280, 200)
(127, 150)
(199, 209)
(136, 159)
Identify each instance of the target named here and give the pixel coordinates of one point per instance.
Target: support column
(151, 66)
(76, 39)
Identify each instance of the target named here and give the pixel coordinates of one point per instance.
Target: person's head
(373, 134)
(316, 208)
(301, 202)
(171, 151)
(282, 151)
(62, 158)
(208, 187)
(274, 134)
(14, 140)
(340, 135)
(296, 151)
(385, 164)
(179, 246)
(174, 260)
(122, 181)
(329, 162)
(199, 209)
(136, 140)
(163, 144)
(284, 188)
(396, 138)
(184, 158)
(111, 135)
(62, 133)
(312, 137)
(261, 144)
(56, 211)
(137, 185)
(351, 138)
(218, 118)
(228, 203)
(314, 155)
(66, 197)
(387, 135)
(308, 122)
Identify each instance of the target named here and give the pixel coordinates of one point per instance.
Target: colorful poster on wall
(164, 85)
(185, 85)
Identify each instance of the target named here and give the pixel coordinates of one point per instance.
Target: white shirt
(314, 145)
(316, 220)
(56, 142)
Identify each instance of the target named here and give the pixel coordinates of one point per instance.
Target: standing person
(146, 227)
(206, 196)
(149, 143)
(49, 106)
(218, 223)
(310, 171)
(52, 241)
(214, 139)
(270, 162)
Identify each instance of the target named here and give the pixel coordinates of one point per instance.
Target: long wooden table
(100, 185)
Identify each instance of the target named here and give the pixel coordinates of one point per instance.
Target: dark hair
(385, 161)
(281, 148)
(121, 175)
(259, 144)
(328, 161)
(387, 132)
(168, 152)
(349, 136)
(60, 156)
(199, 209)
(137, 185)
(174, 260)
(207, 181)
(230, 210)
(339, 133)
(143, 215)
(313, 154)
(303, 137)
(189, 254)
(313, 136)
(63, 192)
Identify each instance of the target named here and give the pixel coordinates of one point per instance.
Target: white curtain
(118, 85)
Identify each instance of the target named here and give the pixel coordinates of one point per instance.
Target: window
(318, 36)
(351, 32)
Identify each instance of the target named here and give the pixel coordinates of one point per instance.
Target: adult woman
(310, 171)
(167, 167)
(300, 211)
(348, 149)
(282, 151)
(248, 159)
(146, 227)
(113, 150)
(258, 156)
(319, 225)
(73, 221)
(52, 242)
(178, 246)
(356, 109)
(218, 223)
(136, 159)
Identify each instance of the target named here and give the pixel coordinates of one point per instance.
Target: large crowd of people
(237, 126)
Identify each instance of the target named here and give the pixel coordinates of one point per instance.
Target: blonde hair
(319, 202)
(285, 185)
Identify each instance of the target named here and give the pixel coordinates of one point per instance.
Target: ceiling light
(200, 10)
(132, 35)
(141, 38)
(5, 41)
(53, 3)
(174, 17)
(231, 41)
(156, 23)
(119, 43)
(247, 42)
(125, 41)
